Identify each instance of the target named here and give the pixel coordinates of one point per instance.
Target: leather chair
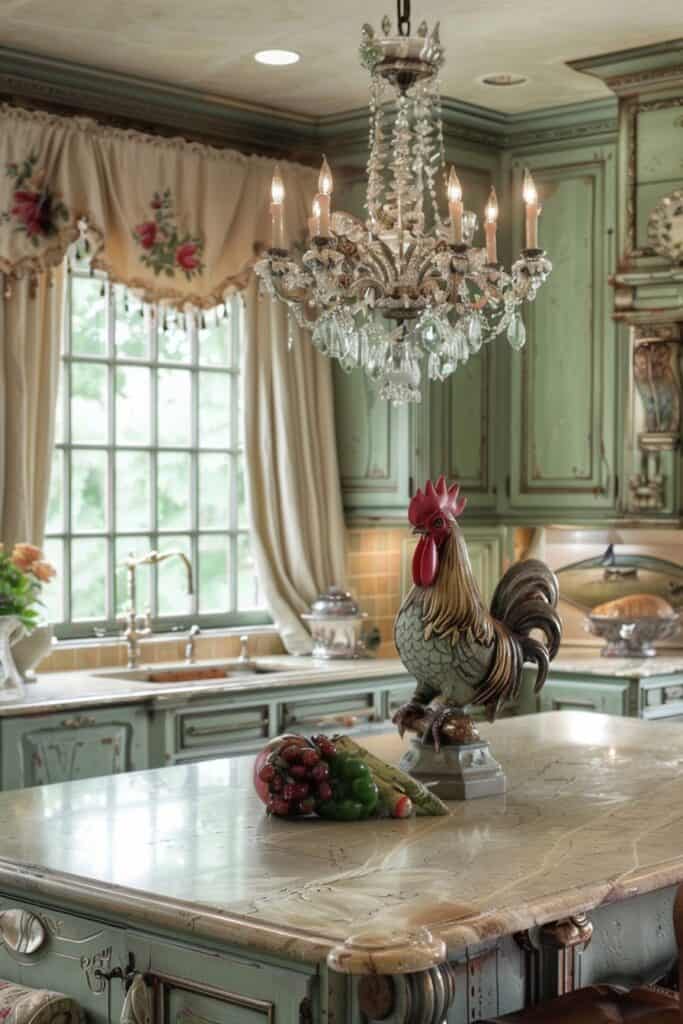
(609, 1004)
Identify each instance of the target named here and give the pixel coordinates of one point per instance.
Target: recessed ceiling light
(503, 78)
(277, 57)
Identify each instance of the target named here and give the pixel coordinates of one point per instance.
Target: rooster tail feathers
(524, 601)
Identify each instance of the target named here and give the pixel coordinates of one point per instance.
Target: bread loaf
(635, 606)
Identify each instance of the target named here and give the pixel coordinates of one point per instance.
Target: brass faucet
(132, 634)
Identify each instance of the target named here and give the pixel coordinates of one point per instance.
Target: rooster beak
(419, 531)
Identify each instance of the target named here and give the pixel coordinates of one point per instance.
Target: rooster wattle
(461, 653)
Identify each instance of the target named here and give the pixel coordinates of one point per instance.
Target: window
(148, 455)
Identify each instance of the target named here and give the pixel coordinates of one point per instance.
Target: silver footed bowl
(632, 638)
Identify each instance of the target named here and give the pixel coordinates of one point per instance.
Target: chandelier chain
(403, 17)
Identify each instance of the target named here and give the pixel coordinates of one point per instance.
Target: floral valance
(174, 220)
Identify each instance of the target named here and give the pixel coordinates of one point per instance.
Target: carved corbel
(403, 980)
(553, 955)
(423, 996)
(657, 382)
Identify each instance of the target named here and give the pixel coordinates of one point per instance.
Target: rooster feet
(407, 714)
(438, 718)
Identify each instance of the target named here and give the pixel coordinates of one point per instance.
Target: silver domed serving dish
(336, 625)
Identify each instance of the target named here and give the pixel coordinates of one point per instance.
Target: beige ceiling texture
(208, 44)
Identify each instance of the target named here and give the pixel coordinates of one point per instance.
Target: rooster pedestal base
(463, 771)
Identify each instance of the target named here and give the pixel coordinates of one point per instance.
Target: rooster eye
(438, 523)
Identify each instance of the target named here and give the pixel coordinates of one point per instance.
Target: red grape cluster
(297, 776)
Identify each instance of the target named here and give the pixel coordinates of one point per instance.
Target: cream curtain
(30, 329)
(293, 485)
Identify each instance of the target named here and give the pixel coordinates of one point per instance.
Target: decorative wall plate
(665, 226)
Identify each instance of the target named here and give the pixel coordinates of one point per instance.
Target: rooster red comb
(437, 497)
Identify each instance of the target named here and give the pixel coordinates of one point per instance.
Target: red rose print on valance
(35, 209)
(164, 249)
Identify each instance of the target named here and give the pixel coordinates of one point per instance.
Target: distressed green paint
(78, 744)
(563, 385)
(374, 446)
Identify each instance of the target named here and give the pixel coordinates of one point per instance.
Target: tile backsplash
(72, 658)
(373, 566)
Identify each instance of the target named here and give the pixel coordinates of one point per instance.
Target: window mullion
(194, 456)
(153, 341)
(111, 518)
(66, 550)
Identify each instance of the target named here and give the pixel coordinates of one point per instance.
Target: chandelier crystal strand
(405, 292)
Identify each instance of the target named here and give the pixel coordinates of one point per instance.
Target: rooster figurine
(460, 653)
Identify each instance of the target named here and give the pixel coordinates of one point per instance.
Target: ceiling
(208, 44)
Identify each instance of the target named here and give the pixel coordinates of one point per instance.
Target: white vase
(30, 649)
(11, 683)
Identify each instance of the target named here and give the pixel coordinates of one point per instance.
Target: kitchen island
(234, 917)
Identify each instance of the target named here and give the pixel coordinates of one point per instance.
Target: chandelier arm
(381, 258)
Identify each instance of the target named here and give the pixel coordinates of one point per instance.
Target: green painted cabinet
(462, 441)
(563, 386)
(81, 744)
(377, 456)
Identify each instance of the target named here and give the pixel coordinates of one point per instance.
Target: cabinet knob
(21, 931)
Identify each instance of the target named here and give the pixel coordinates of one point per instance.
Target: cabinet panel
(79, 745)
(323, 713)
(192, 986)
(567, 695)
(232, 726)
(564, 382)
(373, 442)
(73, 949)
(461, 412)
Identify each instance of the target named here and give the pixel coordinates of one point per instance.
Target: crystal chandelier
(406, 286)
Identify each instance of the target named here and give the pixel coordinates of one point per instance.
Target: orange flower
(43, 571)
(24, 555)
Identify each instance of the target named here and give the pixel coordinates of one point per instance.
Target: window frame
(111, 360)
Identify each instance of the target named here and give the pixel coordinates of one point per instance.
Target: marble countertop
(592, 815)
(61, 691)
(590, 662)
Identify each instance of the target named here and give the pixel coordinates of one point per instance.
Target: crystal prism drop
(474, 333)
(517, 332)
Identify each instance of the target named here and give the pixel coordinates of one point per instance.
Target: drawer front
(662, 699)
(561, 695)
(397, 696)
(192, 986)
(41, 749)
(338, 712)
(225, 728)
(70, 950)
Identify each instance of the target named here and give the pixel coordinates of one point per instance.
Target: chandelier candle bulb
(491, 226)
(314, 220)
(531, 199)
(277, 196)
(324, 198)
(455, 207)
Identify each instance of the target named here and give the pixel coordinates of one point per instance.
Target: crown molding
(77, 89)
(641, 69)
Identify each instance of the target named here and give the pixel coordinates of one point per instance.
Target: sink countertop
(584, 661)
(61, 691)
(591, 816)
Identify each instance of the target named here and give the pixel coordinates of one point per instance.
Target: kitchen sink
(188, 673)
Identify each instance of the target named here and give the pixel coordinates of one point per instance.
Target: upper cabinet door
(461, 422)
(374, 444)
(563, 383)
